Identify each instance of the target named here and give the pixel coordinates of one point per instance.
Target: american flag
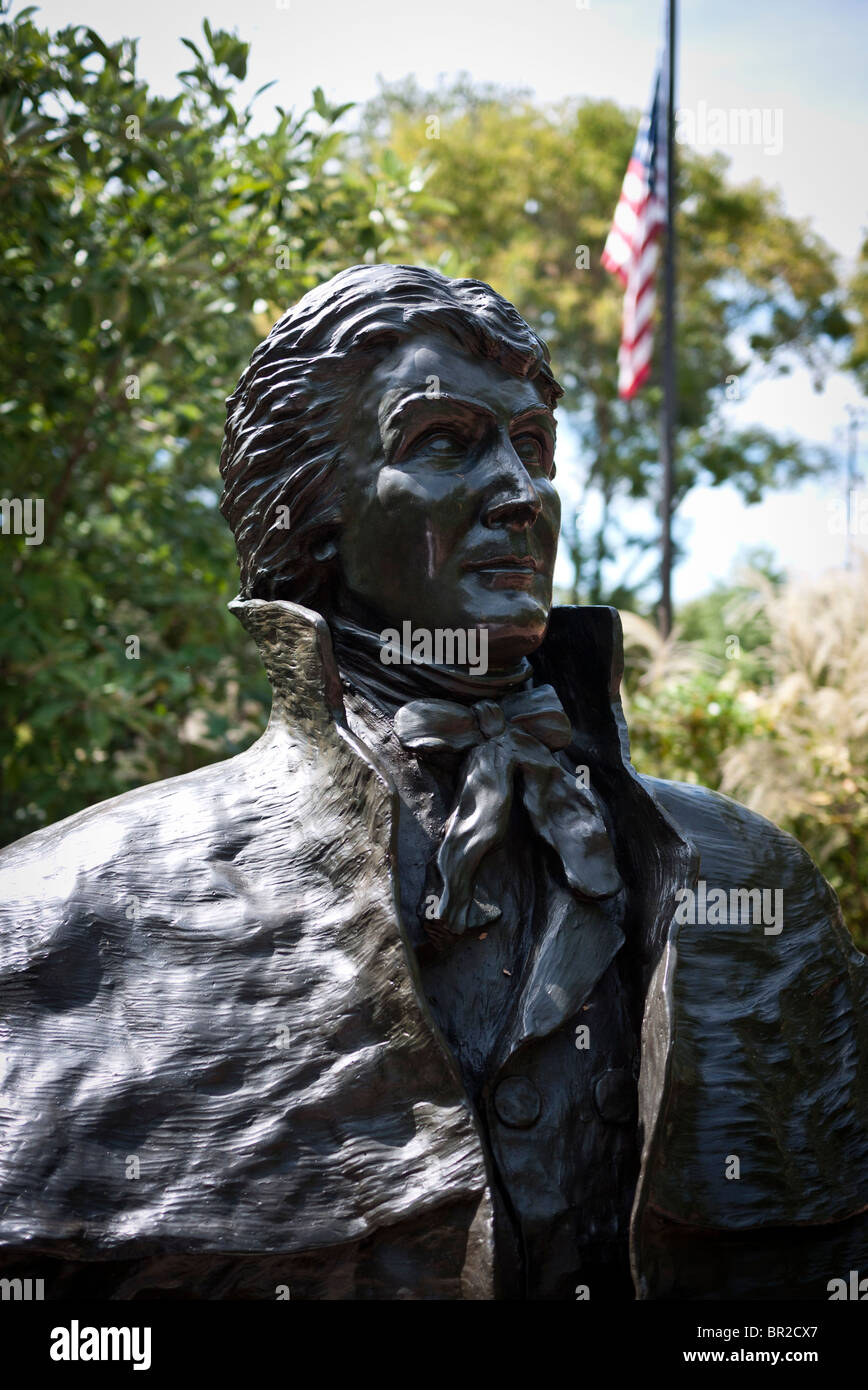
(632, 248)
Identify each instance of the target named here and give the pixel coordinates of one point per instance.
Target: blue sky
(805, 61)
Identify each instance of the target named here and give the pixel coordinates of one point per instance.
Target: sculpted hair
(281, 456)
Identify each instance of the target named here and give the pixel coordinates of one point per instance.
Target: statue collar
(581, 656)
(390, 685)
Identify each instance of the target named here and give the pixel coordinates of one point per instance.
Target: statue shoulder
(711, 818)
(92, 824)
(767, 998)
(739, 849)
(162, 827)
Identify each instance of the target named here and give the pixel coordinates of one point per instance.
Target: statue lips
(507, 571)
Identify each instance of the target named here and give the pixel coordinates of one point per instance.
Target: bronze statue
(426, 995)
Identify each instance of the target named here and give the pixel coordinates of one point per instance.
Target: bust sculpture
(427, 994)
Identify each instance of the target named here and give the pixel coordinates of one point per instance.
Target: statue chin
(507, 644)
(515, 631)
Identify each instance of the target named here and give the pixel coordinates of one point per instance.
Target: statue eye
(532, 451)
(439, 441)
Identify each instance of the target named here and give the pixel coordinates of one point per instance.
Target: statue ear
(325, 549)
(308, 570)
(324, 542)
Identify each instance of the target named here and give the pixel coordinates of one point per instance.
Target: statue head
(389, 456)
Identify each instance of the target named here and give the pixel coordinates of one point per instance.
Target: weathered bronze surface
(399, 1003)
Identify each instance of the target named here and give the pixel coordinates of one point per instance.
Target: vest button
(615, 1097)
(517, 1102)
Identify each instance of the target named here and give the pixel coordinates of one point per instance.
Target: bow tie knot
(521, 732)
(490, 718)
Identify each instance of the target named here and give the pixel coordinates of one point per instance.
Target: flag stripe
(632, 250)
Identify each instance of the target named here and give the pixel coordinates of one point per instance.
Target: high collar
(296, 648)
(582, 658)
(359, 655)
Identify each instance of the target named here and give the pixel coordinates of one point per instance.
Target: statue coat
(221, 1077)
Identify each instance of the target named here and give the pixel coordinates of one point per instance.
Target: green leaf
(80, 315)
(392, 164)
(236, 61)
(188, 43)
(139, 306)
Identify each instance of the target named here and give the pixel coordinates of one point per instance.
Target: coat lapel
(583, 659)
(576, 947)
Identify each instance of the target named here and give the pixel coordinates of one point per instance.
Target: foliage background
(768, 704)
(147, 243)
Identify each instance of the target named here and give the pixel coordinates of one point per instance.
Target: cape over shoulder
(769, 1021)
(214, 978)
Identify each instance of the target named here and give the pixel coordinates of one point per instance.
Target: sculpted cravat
(510, 745)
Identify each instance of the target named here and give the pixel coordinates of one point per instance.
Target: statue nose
(513, 500)
(516, 516)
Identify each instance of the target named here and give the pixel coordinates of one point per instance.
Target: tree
(803, 762)
(146, 244)
(857, 304)
(533, 191)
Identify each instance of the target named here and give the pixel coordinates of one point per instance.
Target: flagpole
(667, 420)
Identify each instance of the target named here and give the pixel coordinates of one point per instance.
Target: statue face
(451, 517)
